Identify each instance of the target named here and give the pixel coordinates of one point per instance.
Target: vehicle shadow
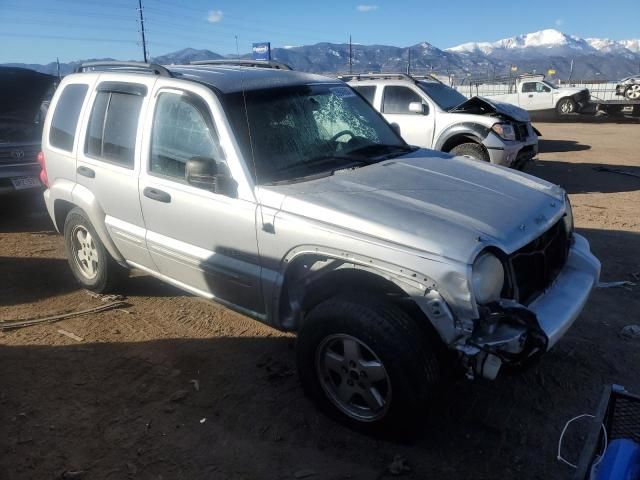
(585, 177)
(29, 279)
(556, 146)
(24, 213)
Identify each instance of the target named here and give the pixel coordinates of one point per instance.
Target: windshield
(295, 132)
(445, 97)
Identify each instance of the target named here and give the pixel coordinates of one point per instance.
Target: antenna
(409, 63)
(144, 41)
(350, 56)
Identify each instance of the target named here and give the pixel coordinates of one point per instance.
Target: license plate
(22, 183)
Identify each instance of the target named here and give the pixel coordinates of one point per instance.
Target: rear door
(198, 239)
(415, 128)
(108, 160)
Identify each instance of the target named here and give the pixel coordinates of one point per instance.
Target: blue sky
(38, 31)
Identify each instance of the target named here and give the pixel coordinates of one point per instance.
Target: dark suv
(22, 113)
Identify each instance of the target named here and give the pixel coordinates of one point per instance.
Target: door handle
(86, 172)
(157, 195)
(531, 95)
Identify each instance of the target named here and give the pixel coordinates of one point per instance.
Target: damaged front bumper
(514, 154)
(509, 333)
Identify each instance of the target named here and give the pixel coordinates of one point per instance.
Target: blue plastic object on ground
(621, 461)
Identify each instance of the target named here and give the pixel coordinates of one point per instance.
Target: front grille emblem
(539, 219)
(17, 154)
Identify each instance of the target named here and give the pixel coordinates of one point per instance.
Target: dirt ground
(123, 403)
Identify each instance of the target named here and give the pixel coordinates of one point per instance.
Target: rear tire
(632, 92)
(91, 264)
(473, 150)
(368, 364)
(566, 106)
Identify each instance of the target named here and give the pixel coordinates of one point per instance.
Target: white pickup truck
(535, 94)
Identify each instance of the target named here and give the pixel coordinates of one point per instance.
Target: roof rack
(386, 76)
(245, 63)
(128, 66)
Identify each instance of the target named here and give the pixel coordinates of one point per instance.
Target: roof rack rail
(128, 66)
(386, 76)
(245, 63)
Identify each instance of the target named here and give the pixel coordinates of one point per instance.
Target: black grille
(13, 155)
(536, 265)
(521, 130)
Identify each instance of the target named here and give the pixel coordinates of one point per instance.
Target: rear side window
(529, 87)
(113, 127)
(368, 92)
(65, 118)
(397, 99)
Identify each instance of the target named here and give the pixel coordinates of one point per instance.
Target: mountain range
(592, 58)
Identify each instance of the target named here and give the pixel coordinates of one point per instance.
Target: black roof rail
(386, 76)
(245, 63)
(128, 66)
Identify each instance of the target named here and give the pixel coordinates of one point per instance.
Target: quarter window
(397, 99)
(182, 130)
(367, 91)
(65, 118)
(113, 127)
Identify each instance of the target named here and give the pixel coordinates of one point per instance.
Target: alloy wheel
(353, 377)
(85, 253)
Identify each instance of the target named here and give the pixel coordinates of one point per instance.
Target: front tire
(473, 150)
(366, 363)
(91, 264)
(566, 106)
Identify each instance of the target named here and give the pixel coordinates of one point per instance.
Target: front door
(536, 96)
(415, 128)
(197, 238)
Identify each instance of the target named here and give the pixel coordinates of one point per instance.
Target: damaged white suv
(287, 197)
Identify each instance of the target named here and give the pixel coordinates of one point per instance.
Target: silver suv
(287, 197)
(430, 114)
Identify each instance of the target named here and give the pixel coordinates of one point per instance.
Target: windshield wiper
(383, 150)
(319, 160)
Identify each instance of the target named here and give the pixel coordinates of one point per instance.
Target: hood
(567, 91)
(486, 106)
(22, 92)
(427, 201)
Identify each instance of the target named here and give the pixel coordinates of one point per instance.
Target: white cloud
(366, 8)
(214, 16)
(559, 22)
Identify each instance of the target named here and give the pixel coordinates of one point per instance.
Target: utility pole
(409, 63)
(350, 56)
(58, 67)
(144, 41)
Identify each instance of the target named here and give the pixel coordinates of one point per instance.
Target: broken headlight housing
(567, 219)
(487, 278)
(504, 131)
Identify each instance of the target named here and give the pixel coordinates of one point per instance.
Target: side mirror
(205, 173)
(418, 107)
(395, 127)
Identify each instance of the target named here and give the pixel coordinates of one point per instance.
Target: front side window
(397, 99)
(182, 130)
(113, 127)
(290, 133)
(65, 118)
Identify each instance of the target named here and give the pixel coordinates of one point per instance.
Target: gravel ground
(172, 387)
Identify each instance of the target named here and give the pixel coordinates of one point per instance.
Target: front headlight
(567, 219)
(487, 278)
(504, 131)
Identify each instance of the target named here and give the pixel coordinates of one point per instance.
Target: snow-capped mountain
(538, 51)
(544, 39)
